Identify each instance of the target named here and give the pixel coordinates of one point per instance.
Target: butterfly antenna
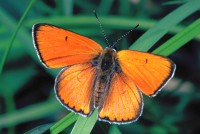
(102, 30)
(125, 35)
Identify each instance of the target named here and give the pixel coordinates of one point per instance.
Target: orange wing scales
(57, 47)
(148, 71)
(74, 88)
(123, 103)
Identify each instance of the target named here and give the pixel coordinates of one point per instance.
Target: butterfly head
(112, 46)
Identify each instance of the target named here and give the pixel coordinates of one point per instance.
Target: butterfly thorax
(105, 68)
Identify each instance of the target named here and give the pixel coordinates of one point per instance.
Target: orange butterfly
(99, 78)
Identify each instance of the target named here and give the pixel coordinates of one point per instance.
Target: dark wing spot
(66, 37)
(146, 60)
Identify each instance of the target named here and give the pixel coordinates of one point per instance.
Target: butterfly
(97, 78)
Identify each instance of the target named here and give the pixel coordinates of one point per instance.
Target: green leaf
(39, 129)
(84, 125)
(88, 25)
(179, 39)
(147, 40)
(64, 123)
(29, 113)
(173, 2)
(105, 5)
(14, 36)
(114, 130)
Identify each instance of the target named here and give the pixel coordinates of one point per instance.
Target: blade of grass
(85, 5)
(174, 2)
(68, 7)
(42, 129)
(109, 22)
(14, 35)
(84, 125)
(114, 130)
(63, 123)
(105, 5)
(30, 113)
(147, 40)
(125, 7)
(179, 39)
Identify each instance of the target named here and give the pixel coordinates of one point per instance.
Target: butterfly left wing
(73, 87)
(57, 47)
(123, 103)
(148, 71)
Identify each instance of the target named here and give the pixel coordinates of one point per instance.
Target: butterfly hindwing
(74, 88)
(57, 47)
(149, 72)
(123, 103)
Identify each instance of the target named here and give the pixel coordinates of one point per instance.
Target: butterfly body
(93, 77)
(107, 64)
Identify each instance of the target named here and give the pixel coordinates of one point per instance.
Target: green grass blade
(179, 39)
(108, 22)
(174, 2)
(105, 5)
(63, 123)
(68, 7)
(147, 40)
(125, 7)
(114, 130)
(84, 125)
(14, 35)
(40, 129)
(29, 113)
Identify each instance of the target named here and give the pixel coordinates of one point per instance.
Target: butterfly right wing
(73, 87)
(148, 71)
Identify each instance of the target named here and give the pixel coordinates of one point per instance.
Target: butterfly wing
(149, 72)
(73, 87)
(57, 47)
(123, 103)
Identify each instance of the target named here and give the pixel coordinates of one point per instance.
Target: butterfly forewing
(148, 71)
(74, 88)
(57, 47)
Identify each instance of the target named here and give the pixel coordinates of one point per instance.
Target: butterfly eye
(95, 63)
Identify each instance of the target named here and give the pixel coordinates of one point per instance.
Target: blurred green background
(27, 98)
